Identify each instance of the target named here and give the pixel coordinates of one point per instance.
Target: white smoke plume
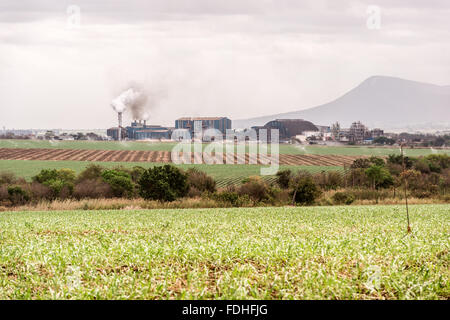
(131, 99)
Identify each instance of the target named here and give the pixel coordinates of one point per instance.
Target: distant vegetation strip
(224, 174)
(168, 146)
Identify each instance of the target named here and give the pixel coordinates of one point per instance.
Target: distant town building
(376, 133)
(358, 132)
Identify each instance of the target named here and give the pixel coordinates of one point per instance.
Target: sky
(62, 62)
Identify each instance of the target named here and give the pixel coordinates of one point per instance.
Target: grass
(167, 146)
(222, 173)
(265, 253)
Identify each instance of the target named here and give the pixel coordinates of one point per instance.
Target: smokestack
(145, 123)
(120, 126)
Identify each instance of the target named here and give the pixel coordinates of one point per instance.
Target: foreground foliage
(265, 253)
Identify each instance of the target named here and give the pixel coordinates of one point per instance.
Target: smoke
(131, 99)
(137, 101)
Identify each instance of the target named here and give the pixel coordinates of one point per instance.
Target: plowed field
(165, 157)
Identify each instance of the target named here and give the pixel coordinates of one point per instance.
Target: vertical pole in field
(405, 182)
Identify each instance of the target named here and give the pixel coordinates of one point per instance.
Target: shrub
(343, 198)
(329, 180)
(231, 198)
(361, 163)
(165, 183)
(67, 175)
(394, 168)
(93, 188)
(4, 193)
(199, 182)
(256, 189)
(119, 181)
(398, 159)
(422, 194)
(422, 165)
(17, 195)
(438, 162)
(40, 191)
(92, 171)
(136, 173)
(59, 181)
(377, 161)
(284, 178)
(7, 178)
(305, 191)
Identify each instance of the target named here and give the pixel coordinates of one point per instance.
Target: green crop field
(356, 252)
(167, 146)
(223, 174)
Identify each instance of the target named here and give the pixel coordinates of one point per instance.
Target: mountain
(379, 101)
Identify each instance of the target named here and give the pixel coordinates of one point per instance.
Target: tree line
(371, 178)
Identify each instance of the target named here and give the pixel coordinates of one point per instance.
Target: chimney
(145, 123)
(120, 126)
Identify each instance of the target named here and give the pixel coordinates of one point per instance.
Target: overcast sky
(235, 58)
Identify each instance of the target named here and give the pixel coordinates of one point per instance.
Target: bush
(438, 162)
(93, 189)
(199, 182)
(136, 173)
(4, 196)
(119, 181)
(92, 172)
(398, 159)
(256, 189)
(60, 181)
(329, 180)
(361, 163)
(284, 178)
(422, 165)
(40, 191)
(305, 191)
(17, 195)
(165, 183)
(343, 198)
(231, 198)
(7, 178)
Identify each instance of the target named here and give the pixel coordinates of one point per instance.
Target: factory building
(219, 123)
(287, 128)
(139, 130)
(113, 133)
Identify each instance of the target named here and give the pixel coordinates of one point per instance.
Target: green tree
(165, 183)
(305, 190)
(119, 181)
(379, 176)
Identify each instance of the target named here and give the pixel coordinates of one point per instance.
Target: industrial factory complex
(139, 130)
(135, 101)
(289, 130)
